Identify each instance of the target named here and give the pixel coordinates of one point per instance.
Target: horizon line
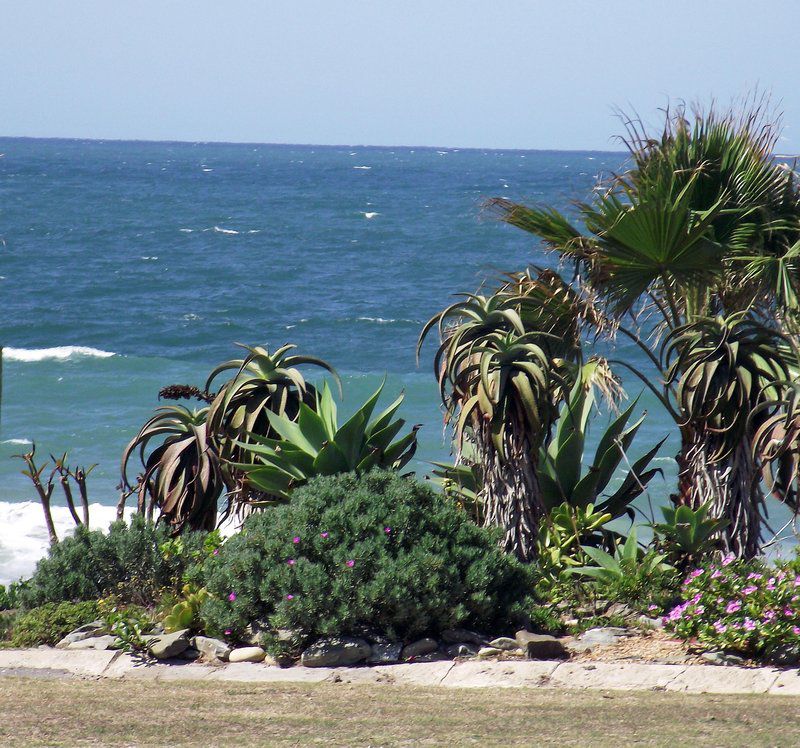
(168, 141)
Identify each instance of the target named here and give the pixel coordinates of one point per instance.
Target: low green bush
(376, 554)
(10, 595)
(127, 562)
(50, 623)
(739, 606)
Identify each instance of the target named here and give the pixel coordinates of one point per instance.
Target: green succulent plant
(182, 474)
(562, 476)
(564, 532)
(185, 613)
(628, 560)
(687, 535)
(317, 445)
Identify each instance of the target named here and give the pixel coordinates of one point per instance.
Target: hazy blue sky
(525, 74)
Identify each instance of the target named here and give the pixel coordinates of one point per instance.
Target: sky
(525, 74)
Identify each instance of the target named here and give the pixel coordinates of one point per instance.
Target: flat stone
(211, 649)
(385, 654)
(462, 650)
(435, 656)
(336, 652)
(709, 679)
(421, 647)
(499, 674)
(504, 642)
(722, 658)
(787, 683)
(414, 674)
(96, 642)
(87, 631)
(489, 652)
(541, 646)
(77, 662)
(614, 675)
(620, 609)
(459, 636)
(166, 646)
(247, 654)
(646, 622)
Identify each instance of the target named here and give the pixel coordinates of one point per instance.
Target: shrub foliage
(375, 554)
(50, 623)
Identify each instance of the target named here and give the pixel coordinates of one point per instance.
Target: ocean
(127, 266)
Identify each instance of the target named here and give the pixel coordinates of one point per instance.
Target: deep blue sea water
(165, 254)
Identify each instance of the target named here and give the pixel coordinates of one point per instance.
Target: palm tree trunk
(510, 495)
(730, 487)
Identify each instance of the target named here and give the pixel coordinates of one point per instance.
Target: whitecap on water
(220, 230)
(60, 353)
(370, 214)
(362, 167)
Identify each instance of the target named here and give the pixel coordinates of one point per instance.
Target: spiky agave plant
(182, 475)
(725, 370)
(263, 383)
(499, 381)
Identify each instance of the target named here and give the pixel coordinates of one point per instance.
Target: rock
(504, 642)
(541, 646)
(87, 631)
(436, 656)
(784, 654)
(336, 652)
(603, 636)
(190, 654)
(459, 636)
(462, 650)
(418, 648)
(96, 642)
(164, 646)
(620, 610)
(650, 623)
(157, 629)
(211, 649)
(247, 654)
(722, 658)
(385, 654)
(489, 652)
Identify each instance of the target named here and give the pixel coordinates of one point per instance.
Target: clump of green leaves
(688, 535)
(129, 623)
(50, 623)
(10, 595)
(126, 562)
(355, 554)
(185, 613)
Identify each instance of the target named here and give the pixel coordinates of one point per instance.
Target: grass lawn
(84, 712)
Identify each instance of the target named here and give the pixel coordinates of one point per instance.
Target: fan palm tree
(697, 240)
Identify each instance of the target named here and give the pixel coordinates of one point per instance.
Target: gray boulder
(722, 658)
(336, 652)
(541, 646)
(463, 649)
(164, 646)
(87, 631)
(489, 652)
(385, 654)
(504, 642)
(96, 642)
(211, 649)
(419, 648)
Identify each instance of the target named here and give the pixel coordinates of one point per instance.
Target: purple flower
(788, 611)
(771, 583)
(696, 573)
(733, 606)
(696, 599)
(387, 530)
(227, 632)
(749, 590)
(216, 551)
(753, 575)
(351, 563)
(677, 612)
(716, 574)
(749, 625)
(232, 596)
(296, 539)
(323, 534)
(652, 607)
(291, 562)
(797, 581)
(728, 558)
(769, 615)
(290, 597)
(720, 627)
(796, 630)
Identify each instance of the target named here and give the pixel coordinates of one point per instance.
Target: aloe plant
(316, 445)
(628, 560)
(562, 476)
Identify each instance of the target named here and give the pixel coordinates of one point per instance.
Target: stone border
(625, 676)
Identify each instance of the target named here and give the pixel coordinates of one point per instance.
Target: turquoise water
(165, 254)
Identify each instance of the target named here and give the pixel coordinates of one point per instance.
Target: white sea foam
(186, 231)
(24, 539)
(59, 353)
(382, 321)
(220, 230)
(16, 441)
(149, 257)
(362, 167)
(370, 214)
